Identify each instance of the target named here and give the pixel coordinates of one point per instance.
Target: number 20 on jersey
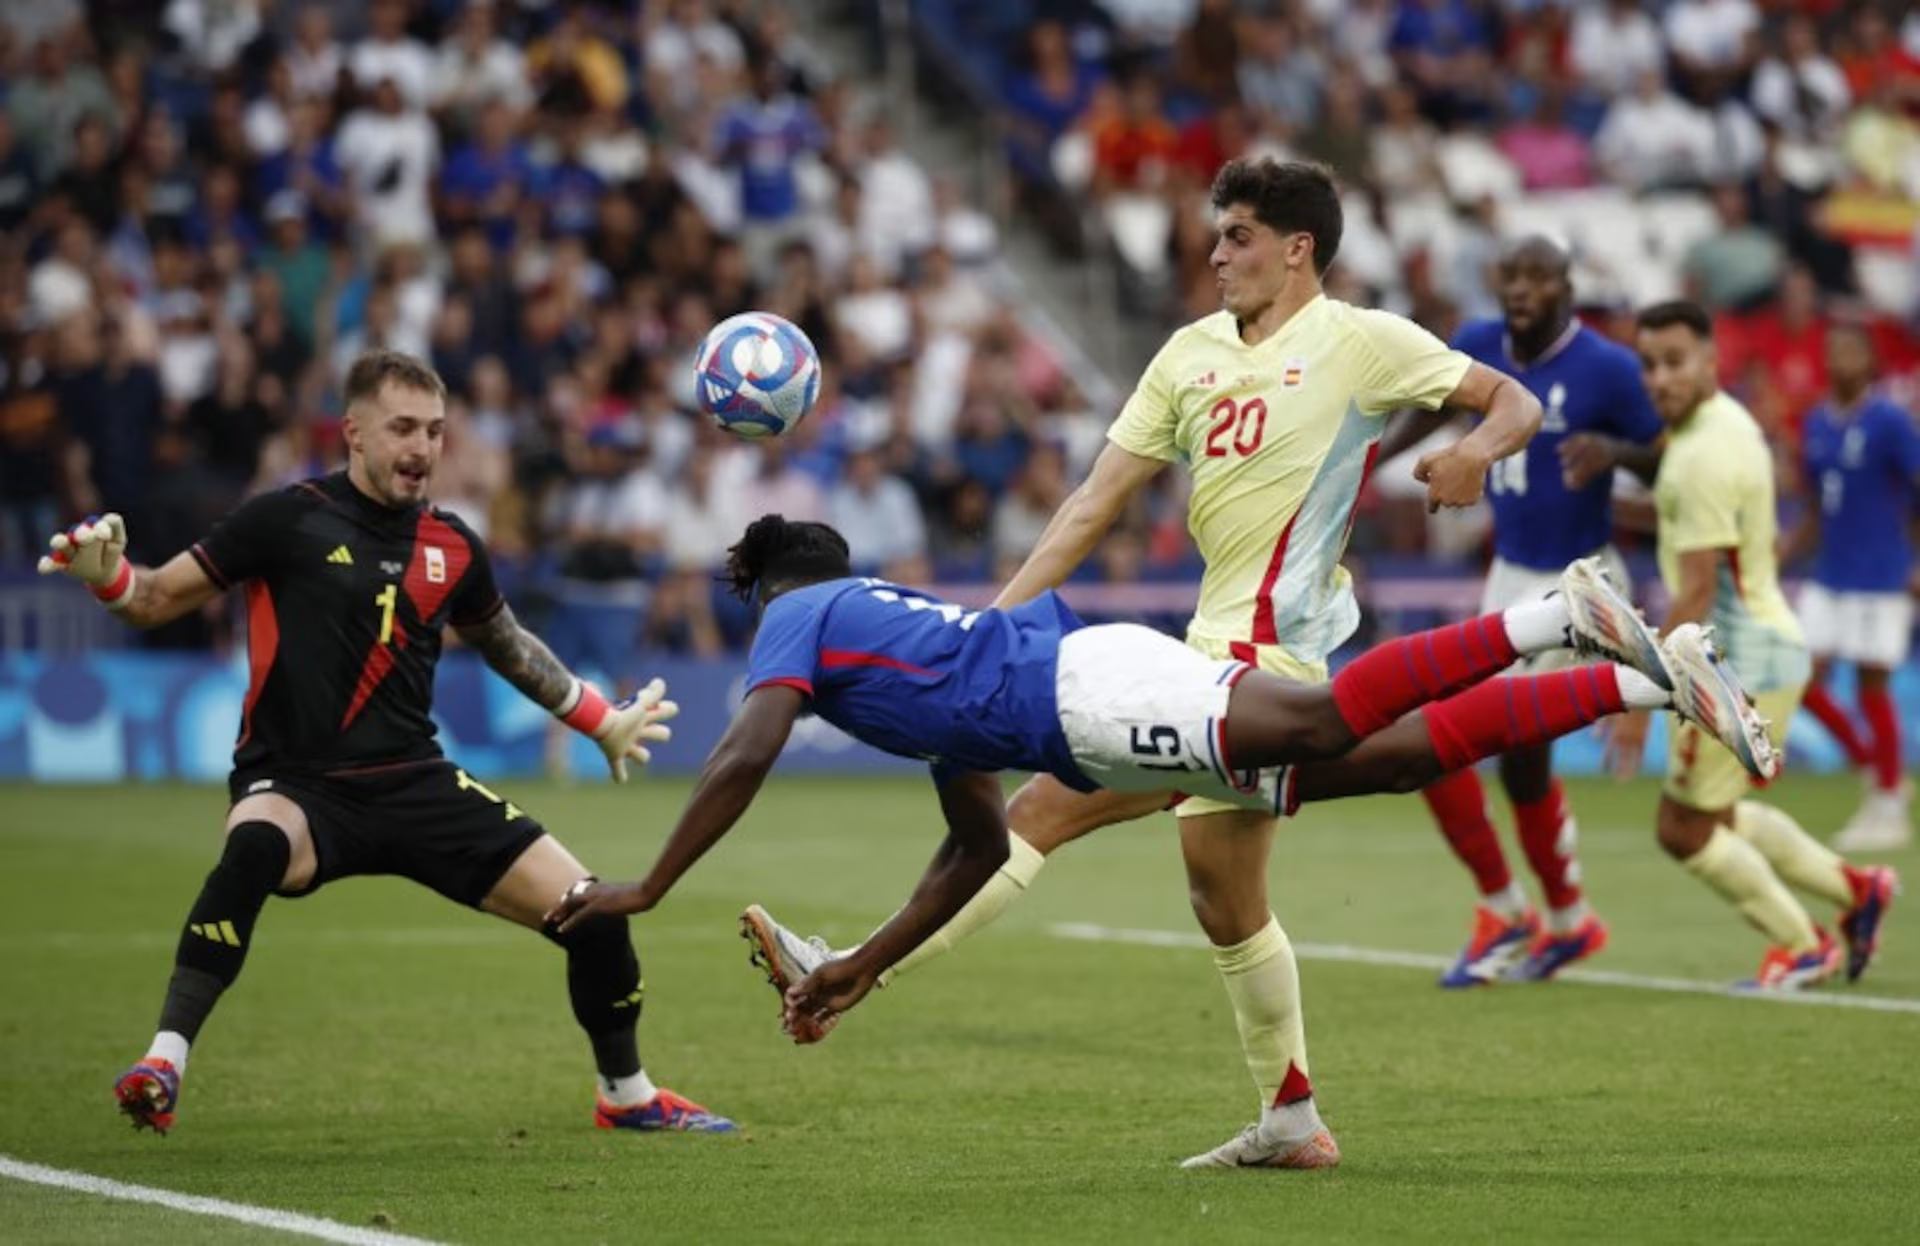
(1235, 428)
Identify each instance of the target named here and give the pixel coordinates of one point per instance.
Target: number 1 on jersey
(387, 598)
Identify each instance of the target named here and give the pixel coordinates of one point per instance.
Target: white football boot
(1605, 624)
(1706, 691)
(1248, 1149)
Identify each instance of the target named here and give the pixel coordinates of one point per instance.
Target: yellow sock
(1734, 868)
(1797, 857)
(1008, 884)
(1263, 984)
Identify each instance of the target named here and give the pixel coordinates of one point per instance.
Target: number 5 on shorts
(1162, 743)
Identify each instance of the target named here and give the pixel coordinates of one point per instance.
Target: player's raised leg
(268, 848)
(1275, 722)
(604, 986)
(1226, 856)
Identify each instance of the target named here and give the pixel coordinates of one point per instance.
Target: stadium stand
(207, 213)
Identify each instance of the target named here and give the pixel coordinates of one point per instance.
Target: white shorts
(1509, 584)
(1144, 713)
(1870, 628)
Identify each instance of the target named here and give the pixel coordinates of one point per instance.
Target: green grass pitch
(390, 1059)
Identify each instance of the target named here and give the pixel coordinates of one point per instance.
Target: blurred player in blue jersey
(1551, 505)
(1862, 464)
(1129, 709)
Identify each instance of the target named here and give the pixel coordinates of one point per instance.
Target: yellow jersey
(1715, 491)
(1279, 438)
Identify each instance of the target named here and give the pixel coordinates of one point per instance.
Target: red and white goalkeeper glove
(622, 729)
(93, 551)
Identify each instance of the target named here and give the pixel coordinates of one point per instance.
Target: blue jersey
(1585, 384)
(919, 677)
(1864, 465)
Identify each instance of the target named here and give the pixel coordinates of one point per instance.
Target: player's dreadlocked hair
(775, 554)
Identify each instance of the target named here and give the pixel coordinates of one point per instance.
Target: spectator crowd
(208, 207)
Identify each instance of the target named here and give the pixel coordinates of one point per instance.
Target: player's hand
(1624, 737)
(815, 1003)
(90, 551)
(634, 723)
(590, 898)
(1584, 458)
(1453, 476)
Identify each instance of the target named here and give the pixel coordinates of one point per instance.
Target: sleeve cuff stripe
(205, 560)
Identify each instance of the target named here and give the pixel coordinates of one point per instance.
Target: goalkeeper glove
(93, 552)
(620, 727)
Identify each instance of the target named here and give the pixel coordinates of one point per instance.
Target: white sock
(1296, 1122)
(1568, 919)
(170, 1047)
(1509, 902)
(1537, 626)
(626, 1092)
(1639, 692)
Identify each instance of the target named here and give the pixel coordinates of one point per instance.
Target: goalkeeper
(349, 580)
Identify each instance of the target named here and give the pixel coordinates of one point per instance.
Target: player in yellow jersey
(1715, 500)
(1276, 405)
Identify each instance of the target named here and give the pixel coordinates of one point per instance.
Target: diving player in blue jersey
(1125, 707)
(1862, 469)
(1552, 504)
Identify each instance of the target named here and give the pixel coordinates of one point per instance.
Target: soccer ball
(757, 375)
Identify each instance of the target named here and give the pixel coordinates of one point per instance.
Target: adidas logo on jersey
(340, 557)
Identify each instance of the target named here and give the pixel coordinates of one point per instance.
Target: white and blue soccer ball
(757, 375)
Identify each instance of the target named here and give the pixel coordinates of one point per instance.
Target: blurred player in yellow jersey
(1276, 404)
(1715, 498)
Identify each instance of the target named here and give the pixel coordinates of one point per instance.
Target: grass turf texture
(388, 1059)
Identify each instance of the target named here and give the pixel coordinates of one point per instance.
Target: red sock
(1389, 681)
(1541, 823)
(1839, 724)
(1459, 805)
(1877, 708)
(1293, 1088)
(1500, 716)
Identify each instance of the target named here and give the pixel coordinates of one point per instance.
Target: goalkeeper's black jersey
(345, 602)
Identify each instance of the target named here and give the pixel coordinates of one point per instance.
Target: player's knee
(602, 934)
(1411, 772)
(1682, 832)
(1322, 733)
(259, 852)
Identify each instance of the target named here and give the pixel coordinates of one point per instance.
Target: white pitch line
(1423, 960)
(193, 1204)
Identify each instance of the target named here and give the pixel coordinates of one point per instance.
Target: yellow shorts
(1702, 774)
(1272, 659)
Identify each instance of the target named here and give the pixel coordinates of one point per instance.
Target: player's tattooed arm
(520, 658)
(162, 594)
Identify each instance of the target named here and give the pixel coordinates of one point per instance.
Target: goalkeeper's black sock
(603, 983)
(219, 930)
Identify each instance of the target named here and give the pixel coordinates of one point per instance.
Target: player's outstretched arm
(1457, 474)
(727, 786)
(94, 552)
(622, 729)
(975, 847)
(1076, 528)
